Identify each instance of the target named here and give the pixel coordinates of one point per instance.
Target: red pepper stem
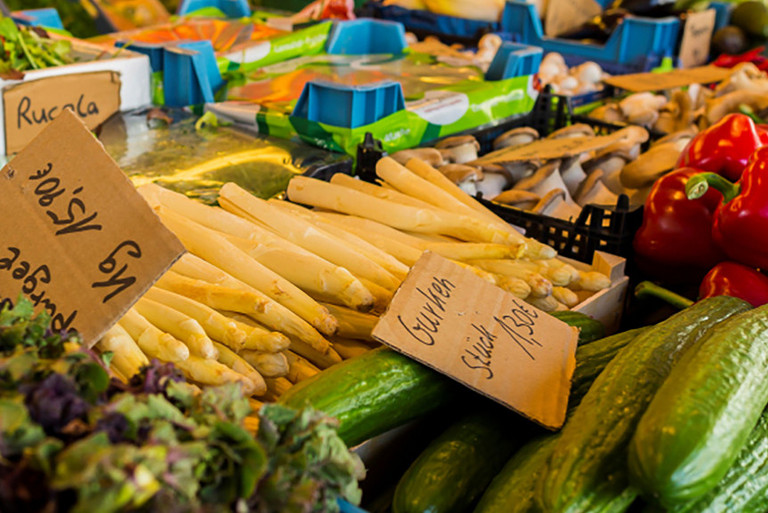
(647, 289)
(698, 185)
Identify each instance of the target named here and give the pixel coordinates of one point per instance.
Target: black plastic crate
(608, 228)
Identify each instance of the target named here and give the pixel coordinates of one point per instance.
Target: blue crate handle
(349, 106)
(190, 74)
(154, 51)
(366, 36)
(232, 8)
(48, 17)
(514, 60)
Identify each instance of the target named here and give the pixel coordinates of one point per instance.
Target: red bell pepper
(734, 279)
(675, 240)
(740, 224)
(724, 148)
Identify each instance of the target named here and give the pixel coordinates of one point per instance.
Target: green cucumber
(512, 490)
(745, 486)
(452, 472)
(587, 471)
(699, 420)
(589, 329)
(591, 359)
(373, 393)
(457, 466)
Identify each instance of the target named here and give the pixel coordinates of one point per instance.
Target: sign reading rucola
(75, 236)
(459, 324)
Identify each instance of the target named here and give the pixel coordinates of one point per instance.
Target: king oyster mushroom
(659, 160)
(577, 130)
(611, 160)
(594, 191)
(524, 200)
(466, 177)
(642, 108)
(495, 180)
(572, 173)
(717, 108)
(458, 149)
(429, 155)
(545, 179)
(610, 113)
(515, 137)
(555, 204)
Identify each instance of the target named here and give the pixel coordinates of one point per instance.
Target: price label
(32, 105)
(75, 236)
(697, 36)
(484, 337)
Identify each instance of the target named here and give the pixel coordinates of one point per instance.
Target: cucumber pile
(670, 417)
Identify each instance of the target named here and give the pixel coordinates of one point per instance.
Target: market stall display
(297, 272)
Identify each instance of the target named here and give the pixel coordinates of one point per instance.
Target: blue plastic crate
(514, 60)
(637, 44)
(191, 76)
(232, 8)
(424, 22)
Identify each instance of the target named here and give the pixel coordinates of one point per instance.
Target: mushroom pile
(557, 187)
(693, 108)
(581, 79)
(456, 54)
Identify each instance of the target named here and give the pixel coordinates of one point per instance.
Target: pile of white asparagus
(271, 292)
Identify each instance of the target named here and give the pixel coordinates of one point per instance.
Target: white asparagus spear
(368, 250)
(213, 373)
(299, 368)
(275, 388)
(249, 302)
(349, 348)
(305, 234)
(548, 303)
(378, 191)
(216, 249)
(592, 281)
(565, 296)
(310, 273)
(353, 324)
(408, 182)
(534, 249)
(239, 365)
(540, 286)
(152, 341)
(127, 357)
(341, 199)
(510, 284)
(216, 326)
(258, 338)
(406, 253)
(270, 365)
(178, 324)
(321, 360)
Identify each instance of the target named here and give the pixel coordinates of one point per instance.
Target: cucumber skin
(745, 486)
(452, 472)
(589, 329)
(588, 467)
(446, 478)
(702, 415)
(591, 359)
(373, 393)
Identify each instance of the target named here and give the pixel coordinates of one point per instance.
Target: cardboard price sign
(30, 106)
(641, 82)
(459, 324)
(697, 36)
(75, 236)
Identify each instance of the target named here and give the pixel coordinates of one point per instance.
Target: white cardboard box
(132, 68)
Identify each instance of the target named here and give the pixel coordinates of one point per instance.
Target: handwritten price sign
(75, 236)
(459, 324)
